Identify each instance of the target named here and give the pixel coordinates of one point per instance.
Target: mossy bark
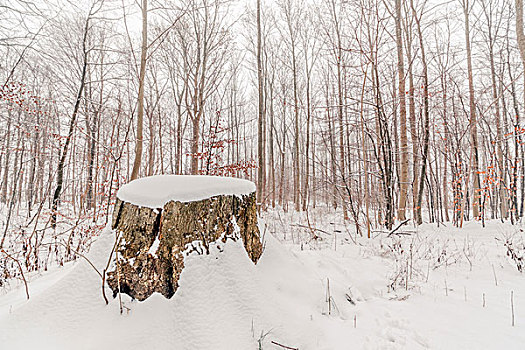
(179, 227)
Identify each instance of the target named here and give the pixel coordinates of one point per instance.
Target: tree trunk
(426, 127)
(63, 156)
(413, 126)
(140, 103)
(403, 175)
(154, 242)
(6, 160)
(519, 30)
(307, 150)
(260, 122)
(473, 123)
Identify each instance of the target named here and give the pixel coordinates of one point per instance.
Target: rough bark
(180, 228)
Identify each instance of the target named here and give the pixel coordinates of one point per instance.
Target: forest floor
(317, 286)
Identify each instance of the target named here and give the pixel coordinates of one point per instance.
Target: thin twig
(21, 271)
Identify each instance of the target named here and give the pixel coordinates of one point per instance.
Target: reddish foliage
(216, 145)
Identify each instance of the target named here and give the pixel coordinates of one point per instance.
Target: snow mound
(156, 191)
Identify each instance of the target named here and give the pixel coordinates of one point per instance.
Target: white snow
(226, 302)
(153, 249)
(156, 191)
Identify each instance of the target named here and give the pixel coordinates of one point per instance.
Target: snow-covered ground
(435, 288)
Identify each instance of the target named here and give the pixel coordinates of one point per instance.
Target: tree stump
(160, 219)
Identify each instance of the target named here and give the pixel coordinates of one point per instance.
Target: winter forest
(383, 140)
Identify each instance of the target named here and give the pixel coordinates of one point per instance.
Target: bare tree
(95, 7)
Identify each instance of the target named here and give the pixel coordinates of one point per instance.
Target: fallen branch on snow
(284, 346)
(398, 227)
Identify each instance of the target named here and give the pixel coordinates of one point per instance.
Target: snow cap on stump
(160, 219)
